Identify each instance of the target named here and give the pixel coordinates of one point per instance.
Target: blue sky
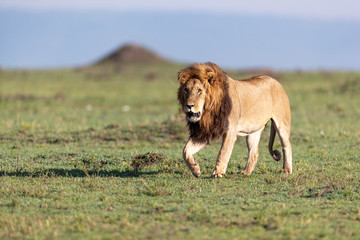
(279, 34)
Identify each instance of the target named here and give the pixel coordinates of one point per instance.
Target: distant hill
(131, 54)
(126, 59)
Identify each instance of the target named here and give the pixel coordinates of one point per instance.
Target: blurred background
(279, 35)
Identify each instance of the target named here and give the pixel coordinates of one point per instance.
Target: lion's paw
(286, 171)
(197, 174)
(245, 172)
(195, 169)
(216, 174)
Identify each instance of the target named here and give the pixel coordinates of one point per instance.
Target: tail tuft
(276, 155)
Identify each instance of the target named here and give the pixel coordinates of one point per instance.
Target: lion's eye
(199, 91)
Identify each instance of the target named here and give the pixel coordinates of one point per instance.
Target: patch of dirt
(143, 160)
(319, 192)
(29, 97)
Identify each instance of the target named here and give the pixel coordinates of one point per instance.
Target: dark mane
(214, 122)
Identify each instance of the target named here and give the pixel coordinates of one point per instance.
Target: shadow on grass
(55, 172)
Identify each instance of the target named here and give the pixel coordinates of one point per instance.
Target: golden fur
(218, 106)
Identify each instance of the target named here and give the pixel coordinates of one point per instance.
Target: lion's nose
(189, 106)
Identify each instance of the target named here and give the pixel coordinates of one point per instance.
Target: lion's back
(259, 85)
(260, 97)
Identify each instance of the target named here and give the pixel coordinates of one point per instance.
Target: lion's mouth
(193, 117)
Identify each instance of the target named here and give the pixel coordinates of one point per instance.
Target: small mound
(132, 54)
(147, 159)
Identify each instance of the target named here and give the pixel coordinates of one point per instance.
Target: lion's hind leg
(283, 130)
(252, 142)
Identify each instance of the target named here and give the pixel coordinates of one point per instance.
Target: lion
(218, 106)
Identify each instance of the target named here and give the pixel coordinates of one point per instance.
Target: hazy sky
(318, 9)
(280, 34)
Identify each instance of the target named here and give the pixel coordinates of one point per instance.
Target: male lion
(218, 106)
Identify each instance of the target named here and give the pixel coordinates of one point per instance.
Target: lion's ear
(214, 73)
(210, 77)
(182, 77)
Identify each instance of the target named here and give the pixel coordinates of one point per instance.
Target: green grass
(68, 139)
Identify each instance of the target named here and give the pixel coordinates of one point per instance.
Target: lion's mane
(214, 120)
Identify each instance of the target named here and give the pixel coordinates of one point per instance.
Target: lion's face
(194, 94)
(201, 90)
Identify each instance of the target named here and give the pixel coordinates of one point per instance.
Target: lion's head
(203, 95)
(193, 94)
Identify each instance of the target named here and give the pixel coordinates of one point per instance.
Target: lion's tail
(274, 153)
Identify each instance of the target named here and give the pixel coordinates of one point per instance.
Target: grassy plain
(68, 138)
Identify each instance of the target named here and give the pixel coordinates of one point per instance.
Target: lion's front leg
(188, 154)
(224, 154)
